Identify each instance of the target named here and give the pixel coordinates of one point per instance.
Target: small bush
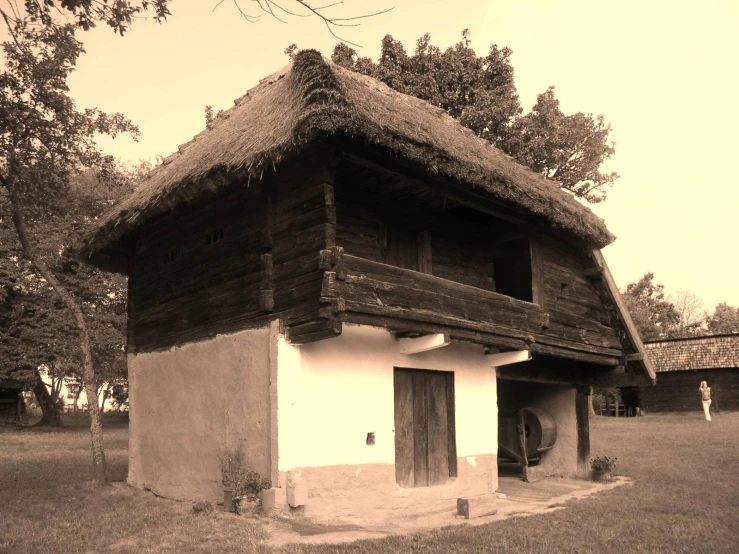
(603, 464)
(237, 475)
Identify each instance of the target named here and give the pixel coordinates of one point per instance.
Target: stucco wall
(188, 403)
(559, 401)
(333, 392)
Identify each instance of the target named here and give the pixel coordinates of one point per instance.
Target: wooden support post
(615, 404)
(267, 285)
(522, 442)
(424, 252)
(582, 414)
(19, 410)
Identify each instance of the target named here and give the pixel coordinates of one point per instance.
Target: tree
(692, 314)
(37, 330)
(43, 138)
(480, 92)
(724, 320)
(566, 148)
(654, 316)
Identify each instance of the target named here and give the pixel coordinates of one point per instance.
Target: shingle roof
(313, 98)
(694, 353)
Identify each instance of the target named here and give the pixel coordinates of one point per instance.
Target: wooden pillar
(267, 281)
(583, 430)
(522, 444)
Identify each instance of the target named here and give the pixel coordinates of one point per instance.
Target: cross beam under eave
(506, 358)
(425, 343)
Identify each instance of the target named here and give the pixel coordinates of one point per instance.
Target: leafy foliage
(35, 327)
(480, 92)
(237, 475)
(117, 14)
(603, 463)
(724, 320)
(43, 137)
(654, 316)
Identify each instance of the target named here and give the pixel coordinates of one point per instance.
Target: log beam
(506, 358)
(424, 343)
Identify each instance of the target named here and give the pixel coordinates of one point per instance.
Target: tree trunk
(88, 371)
(591, 408)
(49, 412)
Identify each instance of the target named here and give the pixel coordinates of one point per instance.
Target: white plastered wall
(333, 392)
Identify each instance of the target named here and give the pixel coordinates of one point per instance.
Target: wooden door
(425, 446)
(402, 247)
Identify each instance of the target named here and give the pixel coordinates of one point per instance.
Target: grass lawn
(685, 499)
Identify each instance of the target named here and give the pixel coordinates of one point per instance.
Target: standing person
(706, 399)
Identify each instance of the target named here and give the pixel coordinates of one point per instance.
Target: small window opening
(512, 263)
(215, 236)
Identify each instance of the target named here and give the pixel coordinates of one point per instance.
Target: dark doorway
(425, 442)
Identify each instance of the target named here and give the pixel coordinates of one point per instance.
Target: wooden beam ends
(507, 358)
(424, 343)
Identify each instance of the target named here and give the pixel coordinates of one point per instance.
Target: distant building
(681, 364)
(11, 402)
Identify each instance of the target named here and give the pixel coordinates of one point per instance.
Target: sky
(663, 73)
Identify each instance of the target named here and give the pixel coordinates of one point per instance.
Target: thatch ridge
(312, 97)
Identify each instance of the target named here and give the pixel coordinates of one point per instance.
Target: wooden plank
(389, 273)
(420, 430)
(401, 325)
(404, 441)
(623, 313)
(537, 274)
(534, 372)
(330, 326)
(267, 285)
(402, 247)
(586, 357)
(582, 415)
(424, 252)
(437, 428)
(451, 424)
(460, 194)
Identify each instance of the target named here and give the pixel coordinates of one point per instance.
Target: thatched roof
(716, 352)
(313, 98)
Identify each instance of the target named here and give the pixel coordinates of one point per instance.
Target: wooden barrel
(541, 430)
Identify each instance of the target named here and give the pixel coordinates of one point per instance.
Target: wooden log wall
(469, 252)
(185, 284)
(459, 250)
(383, 295)
(677, 391)
(236, 261)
